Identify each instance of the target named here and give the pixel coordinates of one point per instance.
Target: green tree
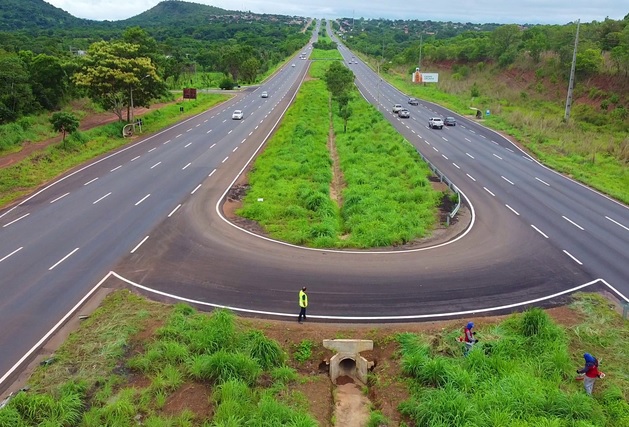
(250, 69)
(65, 123)
(16, 96)
(589, 61)
(505, 40)
(339, 79)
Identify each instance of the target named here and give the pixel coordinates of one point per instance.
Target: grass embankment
(21, 178)
(387, 198)
(522, 373)
(136, 361)
(593, 154)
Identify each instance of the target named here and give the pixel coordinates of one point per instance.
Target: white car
(264, 94)
(293, 65)
(237, 115)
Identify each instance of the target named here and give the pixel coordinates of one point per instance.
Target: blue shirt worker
(303, 303)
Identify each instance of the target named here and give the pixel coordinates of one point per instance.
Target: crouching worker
(591, 372)
(469, 338)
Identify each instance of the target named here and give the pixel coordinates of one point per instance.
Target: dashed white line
(143, 199)
(512, 210)
(617, 223)
(174, 210)
(139, 244)
(63, 259)
(198, 125)
(224, 120)
(90, 181)
(508, 149)
(155, 148)
(12, 253)
(483, 136)
(472, 131)
(469, 155)
(468, 140)
(572, 222)
(413, 131)
(496, 155)
(243, 141)
(444, 156)
(527, 158)
(225, 159)
(209, 131)
(494, 142)
(167, 142)
(205, 121)
(470, 177)
(178, 135)
(116, 168)
(212, 173)
(230, 132)
(573, 258)
(487, 190)
(539, 231)
(507, 180)
(456, 166)
(188, 130)
(135, 158)
(444, 139)
(15, 220)
(184, 168)
(250, 133)
(234, 150)
(58, 198)
(197, 187)
(543, 182)
(187, 145)
(434, 148)
(96, 201)
(213, 145)
(156, 164)
(256, 127)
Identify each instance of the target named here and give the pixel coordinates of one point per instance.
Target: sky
(475, 11)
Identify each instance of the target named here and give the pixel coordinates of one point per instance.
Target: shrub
(265, 351)
(223, 366)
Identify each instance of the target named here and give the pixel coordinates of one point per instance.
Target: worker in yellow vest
(303, 303)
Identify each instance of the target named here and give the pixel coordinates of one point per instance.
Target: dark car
(403, 114)
(449, 121)
(413, 101)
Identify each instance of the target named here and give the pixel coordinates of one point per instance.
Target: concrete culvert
(347, 367)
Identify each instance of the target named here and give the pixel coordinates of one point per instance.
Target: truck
(435, 122)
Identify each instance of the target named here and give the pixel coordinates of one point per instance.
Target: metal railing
(450, 184)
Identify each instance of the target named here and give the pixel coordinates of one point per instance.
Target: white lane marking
(469, 155)
(427, 142)
(413, 131)
(483, 136)
(470, 177)
(434, 148)
(507, 180)
(256, 127)
(58, 198)
(139, 244)
(347, 318)
(468, 140)
(508, 149)
(456, 166)
(135, 158)
(242, 142)
(205, 121)
(63, 259)
(224, 120)
(211, 173)
(197, 187)
(213, 145)
(167, 142)
(90, 181)
(527, 158)
(178, 135)
(174, 210)
(234, 150)
(444, 156)
(154, 148)
(512, 210)
(116, 168)
(209, 131)
(143, 199)
(225, 159)
(572, 222)
(472, 131)
(230, 132)
(543, 182)
(198, 125)
(15, 220)
(617, 223)
(96, 201)
(494, 142)
(444, 139)
(539, 231)
(572, 256)
(188, 130)
(250, 133)
(12, 253)
(496, 155)
(187, 145)
(487, 190)
(156, 164)
(184, 168)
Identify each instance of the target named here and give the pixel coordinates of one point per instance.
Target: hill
(35, 14)
(171, 12)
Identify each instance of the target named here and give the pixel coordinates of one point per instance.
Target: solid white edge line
(16, 220)
(139, 244)
(96, 201)
(368, 318)
(539, 231)
(39, 343)
(174, 210)
(63, 259)
(512, 210)
(197, 187)
(617, 223)
(572, 222)
(58, 198)
(572, 256)
(12, 253)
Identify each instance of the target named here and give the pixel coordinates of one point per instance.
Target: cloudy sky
(475, 11)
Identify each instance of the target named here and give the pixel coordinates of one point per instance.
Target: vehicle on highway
(404, 113)
(293, 65)
(397, 107)
(449, 121)
(237, 115)
(264, 94)
(413, 101)
(435, 122)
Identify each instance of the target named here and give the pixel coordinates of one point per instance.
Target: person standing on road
(303, 303)
(591, 372)
(469, 337)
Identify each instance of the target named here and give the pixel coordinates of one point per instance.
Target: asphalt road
(151, 213)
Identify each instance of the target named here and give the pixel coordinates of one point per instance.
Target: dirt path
(89, 122)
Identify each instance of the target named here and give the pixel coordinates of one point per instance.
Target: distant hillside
(34, 14)
(171, 12)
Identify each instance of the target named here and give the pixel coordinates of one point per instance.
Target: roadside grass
(318, 54)
(585, 148)
(23, 177)
(90, 383)
(387, 201)
(521, 373)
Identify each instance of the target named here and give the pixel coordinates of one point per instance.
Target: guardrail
(450, 184)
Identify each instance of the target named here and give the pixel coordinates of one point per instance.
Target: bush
(223, 366)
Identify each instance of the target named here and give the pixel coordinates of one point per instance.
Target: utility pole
(566, 116)
(421, 41)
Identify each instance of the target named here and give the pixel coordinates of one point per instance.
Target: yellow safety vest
(303, 299)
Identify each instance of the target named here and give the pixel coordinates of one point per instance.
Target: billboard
(419, 77)
(189, 93)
